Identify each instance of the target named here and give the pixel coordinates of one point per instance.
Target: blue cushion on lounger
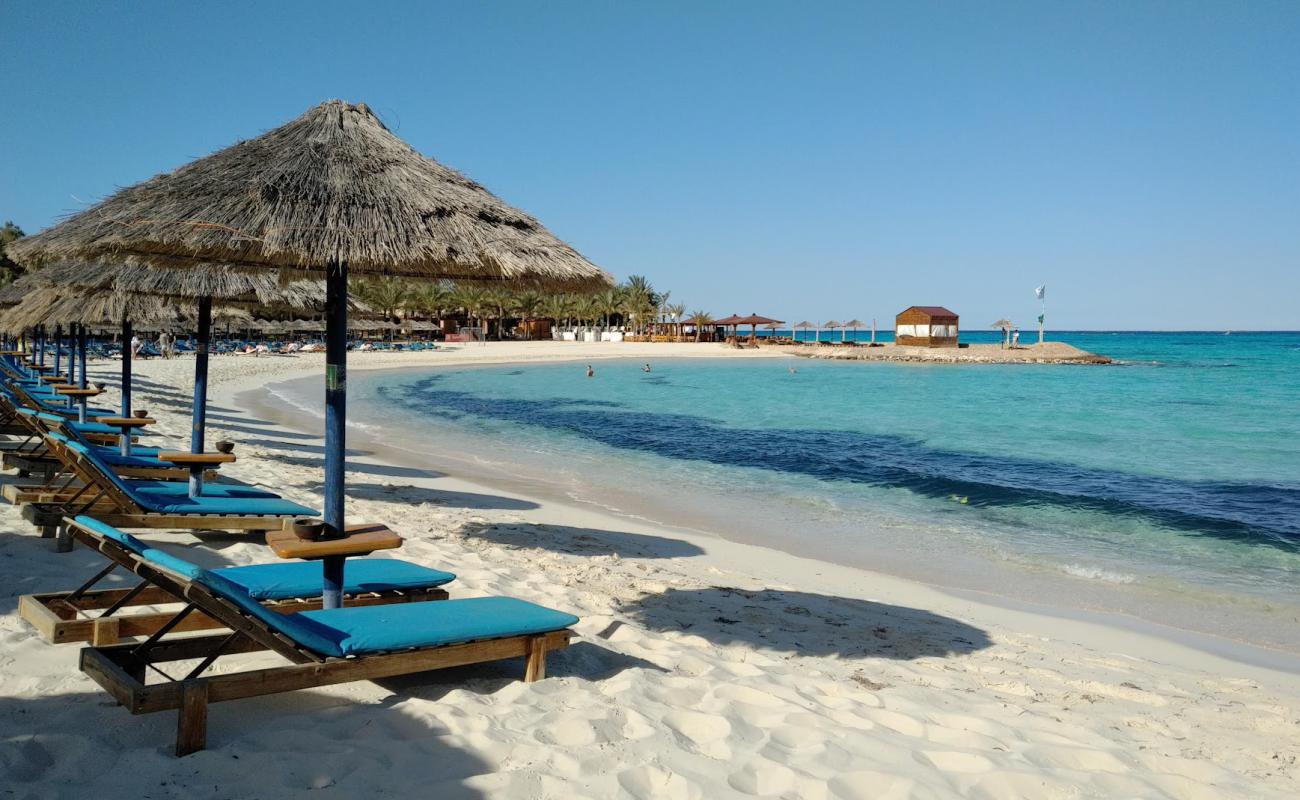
(210, 489)
(288, 579)
(82, 427)
(371, 629)
(240, 506)
(305, 632)
(162, 503)
(109, 532)
(305, 578)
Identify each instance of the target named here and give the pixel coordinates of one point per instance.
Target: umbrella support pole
(58, 348)
(198, 414)
(125, 442)
(336, 393)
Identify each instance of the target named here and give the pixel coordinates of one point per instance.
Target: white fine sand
(703, 668)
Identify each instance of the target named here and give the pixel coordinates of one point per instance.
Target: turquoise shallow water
(1166, 487)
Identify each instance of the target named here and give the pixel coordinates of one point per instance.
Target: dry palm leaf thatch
(220, 282)
(50, 305)
(333, 185)
(228, 287)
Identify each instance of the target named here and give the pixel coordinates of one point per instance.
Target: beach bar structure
(926, 326)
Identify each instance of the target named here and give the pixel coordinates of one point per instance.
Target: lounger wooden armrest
(194, 459)
(63, 379)
(127, 422)
(77, 391)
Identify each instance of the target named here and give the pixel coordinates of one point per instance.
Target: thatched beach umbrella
(333, 192)
(830, 325)
(142, 293)
(1006, 325)
(805, 325)
(728, 322)
(854, 324)
(754, 320)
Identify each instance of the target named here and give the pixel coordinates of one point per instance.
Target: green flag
(1040, 319)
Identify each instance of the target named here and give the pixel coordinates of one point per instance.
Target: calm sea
(1165, 488)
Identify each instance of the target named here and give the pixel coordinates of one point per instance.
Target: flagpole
(1041, 291)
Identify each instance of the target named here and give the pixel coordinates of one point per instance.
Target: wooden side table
(196, 462)
(358, 540)
(125, 424)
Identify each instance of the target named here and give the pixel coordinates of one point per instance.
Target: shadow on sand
(281, 746)
(807, 624)
(583, 541)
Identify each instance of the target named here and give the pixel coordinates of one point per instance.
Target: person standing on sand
(135, 347)
(591, 373)
(1015, 339)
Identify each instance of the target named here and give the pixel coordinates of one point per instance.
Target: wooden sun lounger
(125, 670)
(99, 493)
(63, 617)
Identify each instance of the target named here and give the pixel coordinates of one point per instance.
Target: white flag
(1041, 291)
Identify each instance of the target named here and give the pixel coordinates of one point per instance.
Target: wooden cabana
(926, 326)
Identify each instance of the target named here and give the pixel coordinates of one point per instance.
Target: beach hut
(926, 326)
(329, 194)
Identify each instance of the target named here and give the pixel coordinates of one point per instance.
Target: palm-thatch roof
(831, 324)
(47, 305)
(855, 323)
(333, 185)
(805, 324)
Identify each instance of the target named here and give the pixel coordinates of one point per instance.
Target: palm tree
(527, 305)
(432, 299)
(677, 312)
(557, 307)
(473, 301)
(699, 319)
(499, 304)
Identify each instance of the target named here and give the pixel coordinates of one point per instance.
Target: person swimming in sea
(793, 370)
(591, 373)
(646, 368)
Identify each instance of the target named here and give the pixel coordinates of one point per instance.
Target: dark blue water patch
(1248, 512)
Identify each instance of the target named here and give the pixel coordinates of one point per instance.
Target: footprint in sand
(703, 732)
(650, 782)
(954, 761)
(867, 785)
(762, 777)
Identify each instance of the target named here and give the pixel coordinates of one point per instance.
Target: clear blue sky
(803, 160)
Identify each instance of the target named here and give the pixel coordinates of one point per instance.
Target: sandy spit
(704, 669)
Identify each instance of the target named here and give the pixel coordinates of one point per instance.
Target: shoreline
(476, 475)
(704, 667)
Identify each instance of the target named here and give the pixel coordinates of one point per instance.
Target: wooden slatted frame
(122, 669)
(61, 617)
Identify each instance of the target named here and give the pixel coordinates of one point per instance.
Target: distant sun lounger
(323, 647)
(121, 502)
(86, 614)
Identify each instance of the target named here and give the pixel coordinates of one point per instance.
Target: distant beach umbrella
(805, 325)
(854, 324)
(832, 326)
(729, 322)
(330, 193)
(753, 321)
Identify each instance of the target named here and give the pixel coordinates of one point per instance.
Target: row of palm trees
(634, 304)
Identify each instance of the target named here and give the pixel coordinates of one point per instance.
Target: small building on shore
(926, 326)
